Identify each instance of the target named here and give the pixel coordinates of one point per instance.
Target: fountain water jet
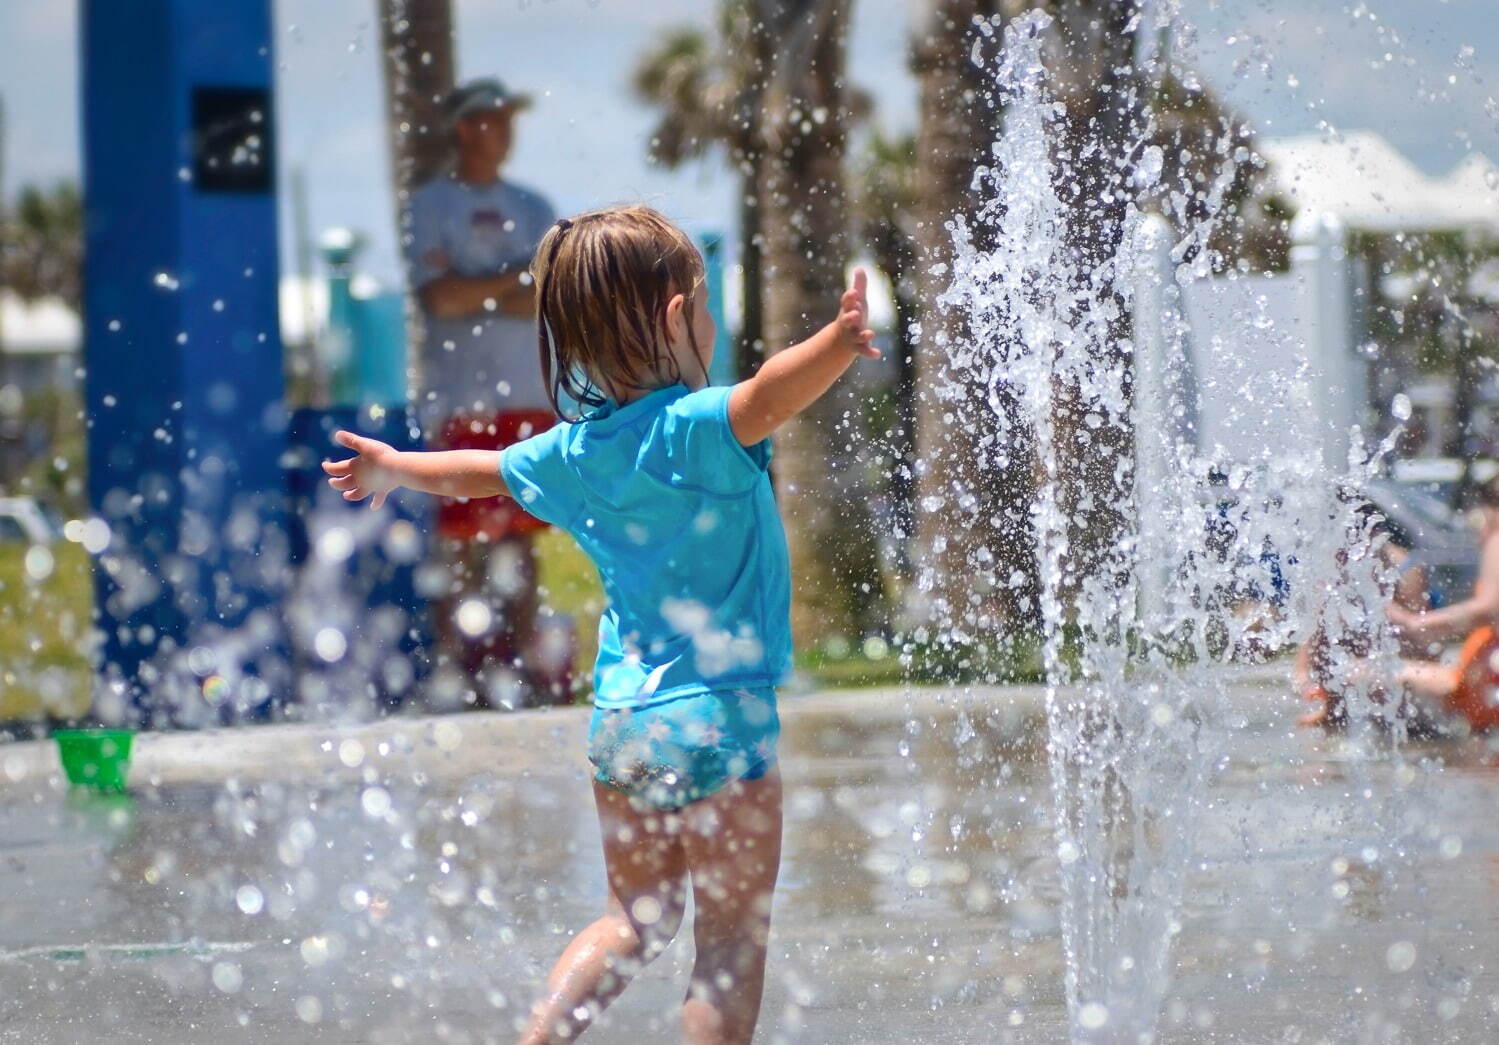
(1136, 640)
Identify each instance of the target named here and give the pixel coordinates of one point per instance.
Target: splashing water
(1138, 639)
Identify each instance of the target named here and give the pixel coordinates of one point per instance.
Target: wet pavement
(413, 880)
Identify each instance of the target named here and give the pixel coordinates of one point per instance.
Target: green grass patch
(44, 628)
(876, 662)
(570, 585)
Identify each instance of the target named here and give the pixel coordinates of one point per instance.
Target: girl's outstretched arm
(378, 468)
(795, 378)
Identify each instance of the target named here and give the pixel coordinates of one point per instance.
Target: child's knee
(651, 923)
(724, 966)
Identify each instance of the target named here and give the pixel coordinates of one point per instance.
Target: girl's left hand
(853, 317)
(370, 473)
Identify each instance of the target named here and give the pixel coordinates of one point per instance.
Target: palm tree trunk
(977, 569)
(416, 38)
(804, 221)
(1097, 83)
(752, 35)
(750, 349)
(975, 564)
(903, 445)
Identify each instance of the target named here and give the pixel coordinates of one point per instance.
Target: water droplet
(309, 1009)
(646, 910)
(249, 899)
(95, 536)
(375, 801)
(474, 617)
(447, 735)
(227, 977)
(335, 545)
(39, 562)
(330, 645)
(1401, 956)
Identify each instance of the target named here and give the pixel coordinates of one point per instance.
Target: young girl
(663, 482)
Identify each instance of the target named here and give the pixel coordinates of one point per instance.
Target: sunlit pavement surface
(413, 880)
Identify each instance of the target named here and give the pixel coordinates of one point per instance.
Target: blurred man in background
(472, 235)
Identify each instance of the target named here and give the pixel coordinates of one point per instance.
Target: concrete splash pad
(413, 880)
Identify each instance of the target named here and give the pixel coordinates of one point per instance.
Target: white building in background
(41, 341)
(39, 351)
(1255, 357)
(39, 344)
(1365, 183)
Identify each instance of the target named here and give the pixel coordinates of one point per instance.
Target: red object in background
(1474, 698)
(493, 517)
(1326, 711)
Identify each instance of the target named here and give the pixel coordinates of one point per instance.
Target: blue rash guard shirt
(680, 521)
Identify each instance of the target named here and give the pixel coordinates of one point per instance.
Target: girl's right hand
(370, 472)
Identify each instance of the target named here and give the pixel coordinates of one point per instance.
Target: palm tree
(976, 568)
(41, 243)
(1092, 61)
(708, 95)
(802, 141)
(1206, 172)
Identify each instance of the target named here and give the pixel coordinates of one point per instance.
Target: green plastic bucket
(96, 758)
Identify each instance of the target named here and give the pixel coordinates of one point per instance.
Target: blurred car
(1440, 476)
(23, 521)
(1440, 537)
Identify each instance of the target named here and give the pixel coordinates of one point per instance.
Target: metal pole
(1155, 430)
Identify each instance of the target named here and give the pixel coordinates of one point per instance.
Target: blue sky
(1422, 72)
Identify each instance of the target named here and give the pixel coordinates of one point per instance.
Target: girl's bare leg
(733, 845)
(646, 867)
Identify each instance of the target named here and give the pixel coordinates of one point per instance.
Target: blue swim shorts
(674, 753)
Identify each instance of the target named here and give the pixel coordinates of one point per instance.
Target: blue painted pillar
(338, 351)
(186, 424)
(380, 334)
(721, 372)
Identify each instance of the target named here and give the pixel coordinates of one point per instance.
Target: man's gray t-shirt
(486, 363)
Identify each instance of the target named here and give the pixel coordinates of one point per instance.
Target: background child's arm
(795, 378)
(1461, 618)
(378, 468)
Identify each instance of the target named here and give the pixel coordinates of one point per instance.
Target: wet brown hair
(603, 281)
